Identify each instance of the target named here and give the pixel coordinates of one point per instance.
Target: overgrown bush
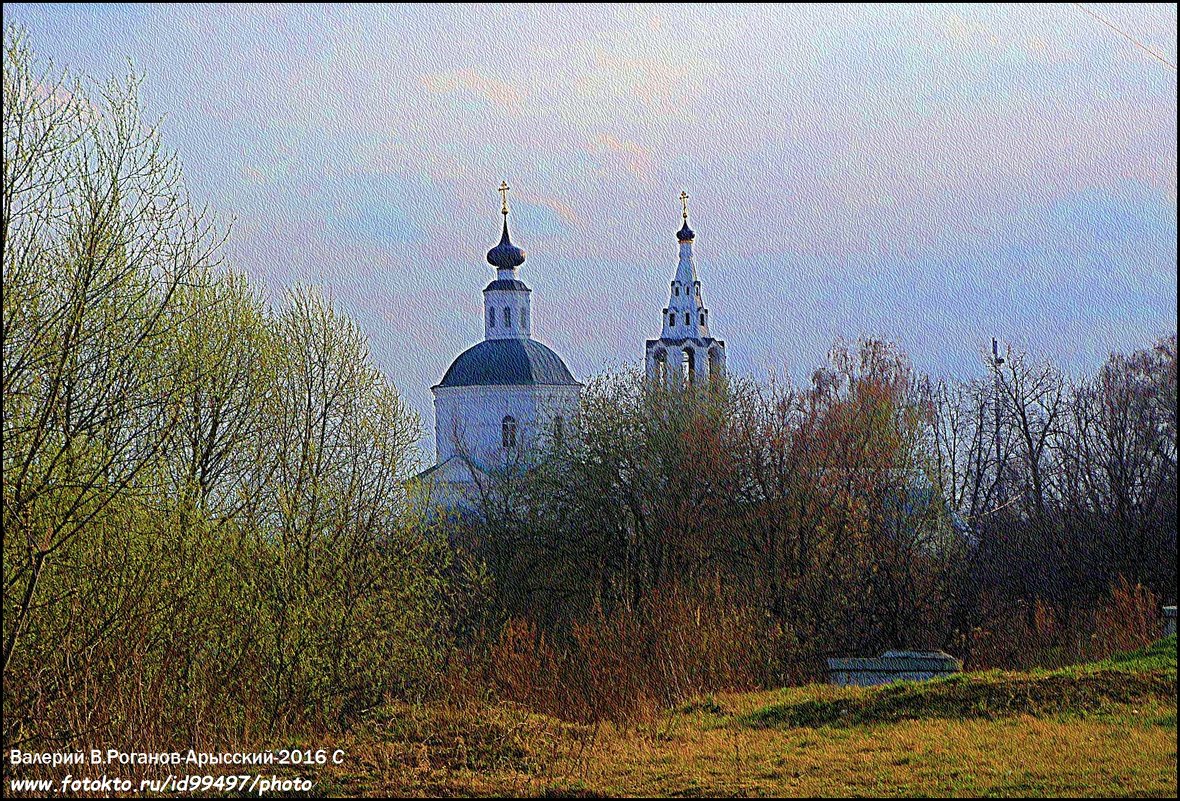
(629, 665)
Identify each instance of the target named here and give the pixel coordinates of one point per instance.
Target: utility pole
(997, 361)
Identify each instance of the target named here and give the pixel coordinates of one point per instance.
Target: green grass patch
(1146, 675)
(1161, 654)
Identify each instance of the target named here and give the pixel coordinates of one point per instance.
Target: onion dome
(505, 256)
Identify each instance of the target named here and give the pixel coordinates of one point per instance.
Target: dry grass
(1132, 751)
(720, 746)
(1105, 729)
(436, 751)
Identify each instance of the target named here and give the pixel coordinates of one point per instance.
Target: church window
(702, 318)
(675, 290)
(508, 431)
(671, 318)
(690, 368)
(507, 317)
(686, 318)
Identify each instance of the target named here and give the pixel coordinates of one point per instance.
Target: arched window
(671, 318)
(662, 365)
(702, 318)
(508, 432)
(491, 317)
(686, 318)
(675, 289)
(690, 367)
(507, 317)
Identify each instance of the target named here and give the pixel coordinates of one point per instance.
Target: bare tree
(98, 237)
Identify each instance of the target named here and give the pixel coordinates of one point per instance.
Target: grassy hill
(1131, 678)
(1105, 728)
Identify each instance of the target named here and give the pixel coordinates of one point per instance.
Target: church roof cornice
(702, 341)
(507, 284)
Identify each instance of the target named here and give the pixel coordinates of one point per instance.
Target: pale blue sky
(932, 174)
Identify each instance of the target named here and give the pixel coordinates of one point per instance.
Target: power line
(1128, 37)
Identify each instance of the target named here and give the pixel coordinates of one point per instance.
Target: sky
(931, 174)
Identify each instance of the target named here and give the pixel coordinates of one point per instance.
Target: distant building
(686, 351)
(507, 395)
(502, 397)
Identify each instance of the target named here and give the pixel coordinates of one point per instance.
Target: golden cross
(684, 200)
(503, 190)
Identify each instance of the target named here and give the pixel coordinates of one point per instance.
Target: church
(509, 395)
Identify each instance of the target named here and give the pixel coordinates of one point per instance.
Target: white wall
(472, 417)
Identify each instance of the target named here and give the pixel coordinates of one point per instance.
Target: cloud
(662, 84)
(563, 210)
(59, 97)
(468, 81)
(633, 156)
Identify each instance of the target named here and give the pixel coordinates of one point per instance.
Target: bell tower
(686, 352)
(506, 299)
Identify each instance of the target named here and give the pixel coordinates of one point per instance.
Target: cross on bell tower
(503, 190)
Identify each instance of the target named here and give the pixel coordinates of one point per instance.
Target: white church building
(508, 395)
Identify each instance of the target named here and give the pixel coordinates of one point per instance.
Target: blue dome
(514, 362)
(685, 234)
(505, 256)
